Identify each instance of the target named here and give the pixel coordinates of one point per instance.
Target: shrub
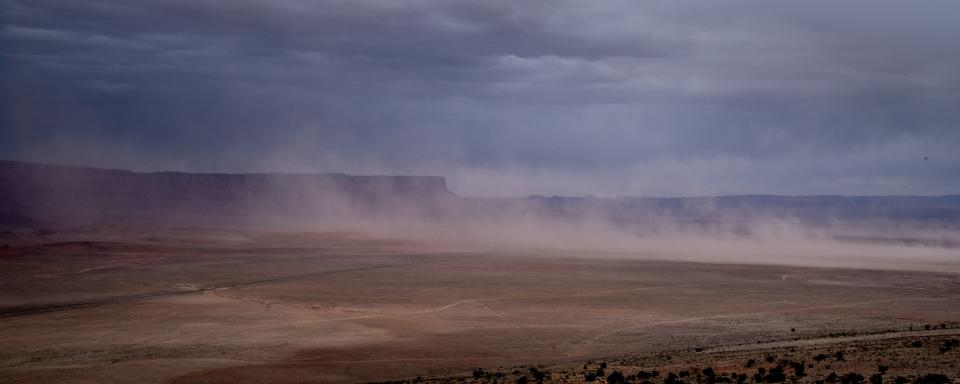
(537, 375)
(851, 378)
(775, 376)
(616, 378)
(948, 345)
(671, 379)
(709, 373)
(797, 369)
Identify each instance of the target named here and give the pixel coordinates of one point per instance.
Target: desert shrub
(643, 375)
(671, 379)
(901, 380)
(708, 372)
(831, 378)
(537, 374)
(616, 378)
(603, 365)
(522, 380)
(775, 376)
(750, 363)
(589, 377)
(477, 373)
(876, 378)
(851, 378)
(917, 344)
(741, 378)
(948, 345)
(797, 369)
(771, 358)
(684, 374)
(654, 373)
(600, 372)
(838, 356)
(882, 369)
(933, 378)
(820, 357)
(712, 376)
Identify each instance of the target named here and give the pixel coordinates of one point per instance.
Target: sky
(504, 98)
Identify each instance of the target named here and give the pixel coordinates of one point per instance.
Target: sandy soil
(205, 306)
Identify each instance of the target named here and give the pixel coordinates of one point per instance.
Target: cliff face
(46, 193)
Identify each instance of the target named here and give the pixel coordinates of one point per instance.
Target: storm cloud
(506, 98)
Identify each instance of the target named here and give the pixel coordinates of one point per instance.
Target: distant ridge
(939, 210)
(32, 193)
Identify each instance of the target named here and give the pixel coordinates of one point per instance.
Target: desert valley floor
(218, 307)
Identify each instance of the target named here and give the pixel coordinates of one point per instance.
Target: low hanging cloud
(506, 98)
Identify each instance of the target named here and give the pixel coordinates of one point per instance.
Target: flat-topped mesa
(81, 194)
(50, 195)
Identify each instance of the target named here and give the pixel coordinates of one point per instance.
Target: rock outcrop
(52, 194)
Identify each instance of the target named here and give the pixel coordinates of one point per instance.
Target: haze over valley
(434, 191)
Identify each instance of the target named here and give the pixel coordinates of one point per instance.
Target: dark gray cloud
(505, 97)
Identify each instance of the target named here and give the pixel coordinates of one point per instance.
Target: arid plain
(147, 305)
